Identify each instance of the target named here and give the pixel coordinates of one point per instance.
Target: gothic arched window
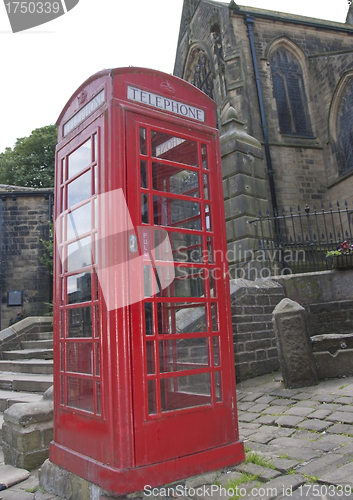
(289, 92)
(344, 128)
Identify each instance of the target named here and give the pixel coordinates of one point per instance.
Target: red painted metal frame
(112, 447)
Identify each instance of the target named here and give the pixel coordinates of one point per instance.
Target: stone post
(295, 353)
(245, 193)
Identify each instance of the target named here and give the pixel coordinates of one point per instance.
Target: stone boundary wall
(255, 350)
(326, 296)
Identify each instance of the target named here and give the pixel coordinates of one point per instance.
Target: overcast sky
(43, 66)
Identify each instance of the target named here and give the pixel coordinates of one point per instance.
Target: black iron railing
(298, 242)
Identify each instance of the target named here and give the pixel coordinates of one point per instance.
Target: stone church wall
(24, 221)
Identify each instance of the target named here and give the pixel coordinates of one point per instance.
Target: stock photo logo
(24, 15)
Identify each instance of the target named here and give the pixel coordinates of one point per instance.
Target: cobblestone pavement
(299, 445)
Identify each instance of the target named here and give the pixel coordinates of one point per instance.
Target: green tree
(31, 162)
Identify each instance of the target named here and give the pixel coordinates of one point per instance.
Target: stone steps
(27, 354)
(26, 371)
(33, 365)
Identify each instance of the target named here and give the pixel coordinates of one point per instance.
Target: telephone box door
(183, 373)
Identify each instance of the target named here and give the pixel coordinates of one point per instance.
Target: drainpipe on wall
(249, 22)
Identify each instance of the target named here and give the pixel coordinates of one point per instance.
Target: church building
(283, 85)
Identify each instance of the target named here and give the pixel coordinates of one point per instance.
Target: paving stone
(262, 437)
(265, 399)
(306, 404)
(277, 431)
(245, 406)
(289, 421)
(320, 466)
(282, 402)
(285, 393)
(341, 429)
(283, 464)
(323, 398)
(247, 416)
(303, 396)
(224, 479)
(271, 451)
(328, 406)
(299, 411)
(347, 408)
(315, 425)
(249, 425)
(246, 432)
(253, 396)
(274, 410)
(201, 479)
(334, 442)
(344, 400)
(320, 414)
(341, 416)
(304, 434)
(263, 473)
(267, 419)
(341, 476)
(257, 408)
(283, 442)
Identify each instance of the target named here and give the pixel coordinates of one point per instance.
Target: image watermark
(24, 14)
(263, 491)
(134, 262)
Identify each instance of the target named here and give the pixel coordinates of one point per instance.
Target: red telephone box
(144, 381)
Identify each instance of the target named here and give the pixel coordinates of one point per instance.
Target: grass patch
(243, 479)
(311, 479)
(254, 458)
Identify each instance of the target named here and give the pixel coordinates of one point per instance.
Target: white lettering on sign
(160, 102)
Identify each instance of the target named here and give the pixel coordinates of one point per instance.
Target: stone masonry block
(294, 347)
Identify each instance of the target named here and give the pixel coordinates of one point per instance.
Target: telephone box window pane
(176, 213)
(152, 398)
(79, 288)
(162, 245)
(62, 359)
(210, 250)
(144, 209)
(208, 218)
(147, 283)
(96, 332)
(183, 354)
(79, 358)
(62, 390)
(143, 174)
(79, 254)
(175, 180)
(143, 141)
(204, 156)
(216, 354)
(186, 283)
(181, 318)
(148, 318)
(185, 392)
(172, 148)
(80, 394)
(215, 322)
(80, 322)
(80, 189)
(206, 191)
(218, 386)
(97, 359)
(80, 159)
(79, 221)
(99, 398)
(151, 365)
(185, 248)
(95, 145)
